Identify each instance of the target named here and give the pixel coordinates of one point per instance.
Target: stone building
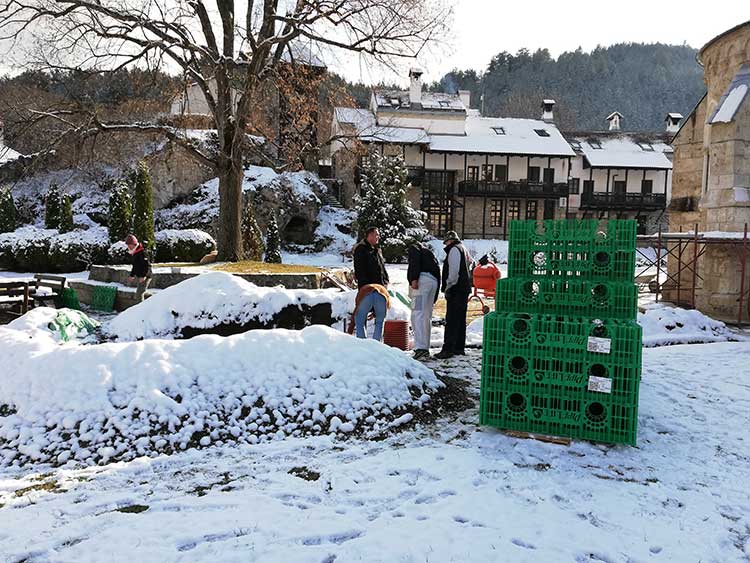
(711, 183)
(474, 174)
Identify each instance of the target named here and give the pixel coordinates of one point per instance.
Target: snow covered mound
(213, 299)
(117, 401)
(40, 323)
(664, 325)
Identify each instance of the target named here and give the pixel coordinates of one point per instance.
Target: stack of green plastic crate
(562, 351)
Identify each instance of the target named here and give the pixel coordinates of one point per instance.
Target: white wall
(450, 124)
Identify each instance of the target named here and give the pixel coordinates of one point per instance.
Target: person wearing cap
(457, 288)
(140, 273)
(423, 275)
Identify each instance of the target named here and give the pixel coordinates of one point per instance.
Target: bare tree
(229, 49)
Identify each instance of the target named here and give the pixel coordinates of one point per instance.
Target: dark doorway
(549, 208)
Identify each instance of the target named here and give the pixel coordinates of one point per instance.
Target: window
(496, 213)
(646, 146)
(576, 145)
(472, 173)
(620, 188)
(647, 186)
(534, 172)
(501, 173)
(588, 186)
(487, 172)
(595, 144)
(444, 103)
(542, 132)
(531, 209)
(499, 130)
(574, 185)
(514, 209)
(549, 176)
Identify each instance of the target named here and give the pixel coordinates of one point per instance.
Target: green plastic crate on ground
(68, 299)
(615, 234)
(103, 298)
(594, 299)
(558, 413)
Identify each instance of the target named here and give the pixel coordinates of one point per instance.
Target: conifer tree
(252, 238)
(52, 206)
(66, 214)
(273, 241)
(143, 208)
(8, 212)
(120, 220)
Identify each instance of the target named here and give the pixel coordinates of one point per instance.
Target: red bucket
(396, 334)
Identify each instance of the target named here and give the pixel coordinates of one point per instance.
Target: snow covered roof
(369, 131)
(430, 101)
(733, 97)
(504, 135)
(301, 53)
(7, 154)
(614, 149)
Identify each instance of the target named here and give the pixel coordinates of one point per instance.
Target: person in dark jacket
(369, 270)
(140, 273)
(423, 275)
(457, 288)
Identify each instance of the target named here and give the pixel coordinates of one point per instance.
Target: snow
(335, 224)
(175, 236)
(7, 154)
(449, 491)
(623, 151)
(664, 325)
(730, 104)
(36, 323)
(126, 399)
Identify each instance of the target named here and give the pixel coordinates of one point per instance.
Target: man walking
(372, 281)
(424, 277)
(140, 273)
(457, 287)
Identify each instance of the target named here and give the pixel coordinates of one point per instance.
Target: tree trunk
(230, 210)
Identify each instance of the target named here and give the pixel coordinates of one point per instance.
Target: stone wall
(687, 172)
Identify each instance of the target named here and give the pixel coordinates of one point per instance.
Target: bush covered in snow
(120, 401)
(8, 211)
(273, 242)
(189, 245)
(120, 217)
(143, 206)
(384, 205)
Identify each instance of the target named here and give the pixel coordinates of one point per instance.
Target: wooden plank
(539, 437)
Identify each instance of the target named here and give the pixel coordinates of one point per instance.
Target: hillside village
(225, 338)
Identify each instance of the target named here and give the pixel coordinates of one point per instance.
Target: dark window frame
(574, 186)
(542, 132)
(501, 173)
(532, 204)
(545, 172)
(645, 189)
(514, 209)
(496, 213)
(534, 174)
(485, 168)
(472, 173)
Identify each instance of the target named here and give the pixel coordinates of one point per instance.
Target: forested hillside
(643, 82)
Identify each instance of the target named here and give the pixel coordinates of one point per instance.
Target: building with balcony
(622, 175)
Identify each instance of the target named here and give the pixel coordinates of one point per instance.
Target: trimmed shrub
(252, 238)
(8, 211)
(273, 241)
(66, 214)
(188, 245)
(120, 217)
(143, 207)
(52, 205)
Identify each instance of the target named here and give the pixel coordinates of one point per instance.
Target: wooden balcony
(513, 188)
(631, 201)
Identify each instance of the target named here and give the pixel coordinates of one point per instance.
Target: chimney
(415, 89)
(673, 122)
(465, 96)
(615, 121)
(548, 111)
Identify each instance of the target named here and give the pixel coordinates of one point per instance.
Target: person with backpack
(457, 288)
(423, 275)
(372, 282)
(140, 273)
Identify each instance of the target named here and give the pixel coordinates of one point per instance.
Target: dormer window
(395, 102)
(499, 130)
(595, 144)
(444, 103)
(646, 147)
(576, 145)
(542, 132)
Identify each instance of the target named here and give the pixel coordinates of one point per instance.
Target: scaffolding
(686, 250)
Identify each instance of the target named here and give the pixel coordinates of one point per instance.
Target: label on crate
(600, 384)
(601, 345)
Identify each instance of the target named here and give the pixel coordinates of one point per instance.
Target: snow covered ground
(448, 491)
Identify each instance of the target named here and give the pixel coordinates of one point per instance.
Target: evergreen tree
(120, 212)
(52, 207)
(8, 212)
(384, 205)
(143, 209)
(252, 238)
(66, 214)
(273, 241)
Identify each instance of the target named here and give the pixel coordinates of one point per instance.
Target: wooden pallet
(540, 437)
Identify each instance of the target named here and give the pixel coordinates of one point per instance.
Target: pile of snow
(215, 298)
(177, 236)
(336, 227)
(117, 401)
(38, 323)
(664, 325)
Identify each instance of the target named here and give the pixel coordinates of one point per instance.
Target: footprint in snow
(655, 549)
(521, 543)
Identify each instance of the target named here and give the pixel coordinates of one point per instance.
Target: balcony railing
(597, 200)
(522, 188)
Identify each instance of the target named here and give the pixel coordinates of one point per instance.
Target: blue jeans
(371, 301)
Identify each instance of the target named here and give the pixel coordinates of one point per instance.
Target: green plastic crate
(616, 234)
(68, 299)
(594, 299)
(103, 298)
